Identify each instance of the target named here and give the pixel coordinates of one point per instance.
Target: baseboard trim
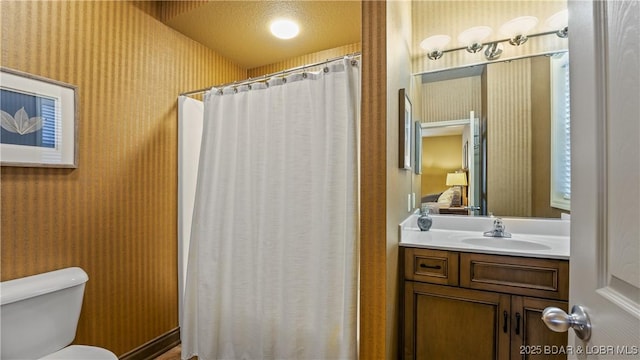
(155, 347)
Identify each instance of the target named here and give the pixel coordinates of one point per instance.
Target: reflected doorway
(450, 148)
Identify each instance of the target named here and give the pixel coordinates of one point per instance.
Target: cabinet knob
(559, 321)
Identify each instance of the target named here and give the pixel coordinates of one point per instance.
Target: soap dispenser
(425, 221)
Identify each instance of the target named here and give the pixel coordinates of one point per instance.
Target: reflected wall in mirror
(509, 156)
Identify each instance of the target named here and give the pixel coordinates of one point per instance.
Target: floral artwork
(21, 124)
(27, 119)
(38, 125)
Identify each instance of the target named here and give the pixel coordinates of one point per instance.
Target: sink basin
(505, 243)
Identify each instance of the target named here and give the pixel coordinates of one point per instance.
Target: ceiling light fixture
(284, 29)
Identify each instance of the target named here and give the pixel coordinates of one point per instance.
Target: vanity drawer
(432, 266)
(545, 278)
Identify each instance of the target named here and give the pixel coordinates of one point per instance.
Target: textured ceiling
(239, 30)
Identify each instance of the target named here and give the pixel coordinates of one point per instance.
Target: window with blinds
(51, 119)
(560, 133)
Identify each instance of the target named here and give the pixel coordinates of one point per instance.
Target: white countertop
(531, 237)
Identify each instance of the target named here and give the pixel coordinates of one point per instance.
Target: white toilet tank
(40, 313)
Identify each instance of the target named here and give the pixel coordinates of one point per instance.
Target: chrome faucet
(498, 230)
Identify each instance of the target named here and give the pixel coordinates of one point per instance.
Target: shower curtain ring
(326, 68)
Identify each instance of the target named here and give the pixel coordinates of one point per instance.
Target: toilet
(40, 315)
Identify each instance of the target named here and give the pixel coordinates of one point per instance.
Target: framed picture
(405, 124)
(39, 121)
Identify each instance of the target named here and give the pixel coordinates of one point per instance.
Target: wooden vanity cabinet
(443, 322)
(490, 307)
(530, 337)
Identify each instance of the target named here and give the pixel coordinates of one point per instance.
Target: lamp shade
(519, 26)
(558, 20)
(435, 42)
(457, 179)
(476, 34)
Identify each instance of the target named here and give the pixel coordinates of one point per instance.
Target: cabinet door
(530, 337)
(442, 322)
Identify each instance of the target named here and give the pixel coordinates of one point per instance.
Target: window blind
(560, 133)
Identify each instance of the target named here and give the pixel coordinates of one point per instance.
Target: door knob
(559, 321)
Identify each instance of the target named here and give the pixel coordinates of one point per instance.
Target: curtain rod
(264, 77)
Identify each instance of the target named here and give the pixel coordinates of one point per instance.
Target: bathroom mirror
(505, 126)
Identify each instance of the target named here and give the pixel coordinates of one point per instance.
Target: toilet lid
(81, 352)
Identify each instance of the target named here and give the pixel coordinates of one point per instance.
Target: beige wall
(541, 139)
(399, 181)
(519, 180)
(440, 156)
(509, 127)
(450, 99)
(115, 215)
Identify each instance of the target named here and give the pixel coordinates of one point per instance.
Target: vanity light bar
(437, 54)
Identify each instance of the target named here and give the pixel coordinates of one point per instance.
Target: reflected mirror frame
(418, 148)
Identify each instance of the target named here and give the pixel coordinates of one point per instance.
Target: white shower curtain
(190, 116)
(272, 270)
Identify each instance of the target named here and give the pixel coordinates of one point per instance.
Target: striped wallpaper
(450, 99)
(509, 127)
(115, 215)
(170, 9)
(305, 59)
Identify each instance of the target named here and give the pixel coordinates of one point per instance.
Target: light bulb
(517, 29)
(284, 29)
(473, 37)
(559, 21)
(434, 45)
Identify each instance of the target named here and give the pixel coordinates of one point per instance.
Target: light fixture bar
(489, 42)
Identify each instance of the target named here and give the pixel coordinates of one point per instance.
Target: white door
(604, 44)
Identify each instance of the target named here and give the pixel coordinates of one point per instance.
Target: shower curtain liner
(272, 270)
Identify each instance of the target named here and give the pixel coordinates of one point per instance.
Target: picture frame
(404, 130)
(39, 125)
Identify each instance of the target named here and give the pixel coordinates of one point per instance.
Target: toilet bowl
(40, 316)
(81, 352)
